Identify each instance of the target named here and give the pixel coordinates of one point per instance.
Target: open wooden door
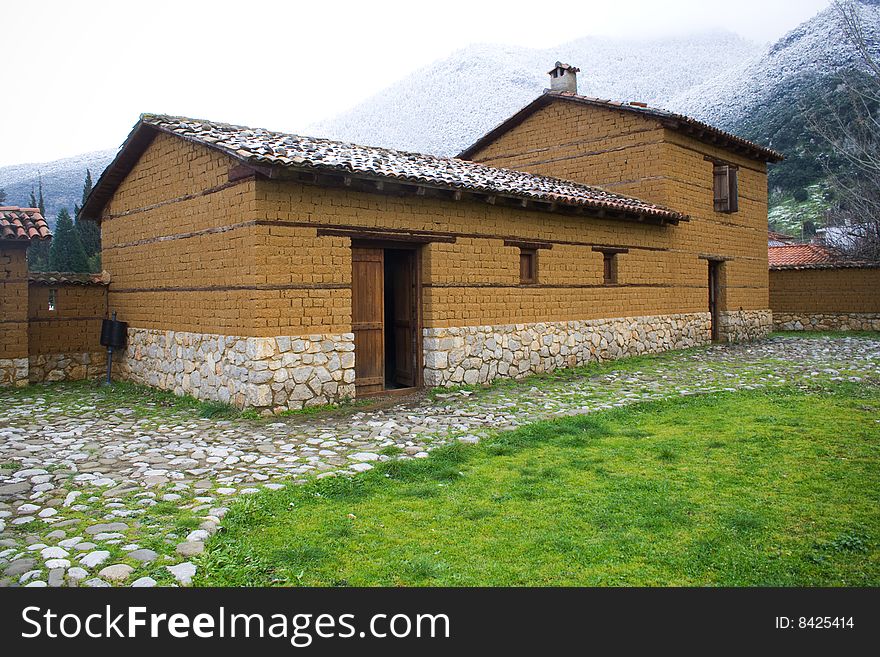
(405, 319)
(368, 319)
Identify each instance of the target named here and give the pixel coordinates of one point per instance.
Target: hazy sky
(77, 74)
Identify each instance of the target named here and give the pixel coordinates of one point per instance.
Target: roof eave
(411, 186)
(132, 148)
(507, 124)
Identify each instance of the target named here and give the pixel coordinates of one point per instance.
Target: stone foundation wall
(13, 372)
(479, 354)
(67, 367)
(826, 321)
(272, 374)
(744, 325)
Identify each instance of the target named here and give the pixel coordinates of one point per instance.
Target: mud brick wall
(834, 299)
(75, 324)
(13, 315)
(13, 301)
(636, 155)
(475, 280)
(841, 290)
(178, 240)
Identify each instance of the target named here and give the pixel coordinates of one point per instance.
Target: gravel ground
(96, 496)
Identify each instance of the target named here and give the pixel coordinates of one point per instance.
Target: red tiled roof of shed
(811, 256)
(67, 278)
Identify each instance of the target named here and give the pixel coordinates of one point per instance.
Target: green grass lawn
(760, 488)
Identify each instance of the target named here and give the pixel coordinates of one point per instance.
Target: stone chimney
(563, 77)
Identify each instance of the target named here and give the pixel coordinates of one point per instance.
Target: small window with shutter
(528, 266)
(53, 299)
(726, 188)
(609, 264)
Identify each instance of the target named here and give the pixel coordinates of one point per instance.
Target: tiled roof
(698, 129)
(67, 278)
(811, 256)
(22, 224)
(260, 147)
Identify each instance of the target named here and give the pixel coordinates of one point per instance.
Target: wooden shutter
(722, 188)
(608, 268)
(732, 189)
(528, 272)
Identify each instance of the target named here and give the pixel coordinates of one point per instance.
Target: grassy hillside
(799, 186)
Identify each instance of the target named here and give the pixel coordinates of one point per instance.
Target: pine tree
(67, 252)
(41, 203)
(38, 253)
(2, 196)
(89, 231)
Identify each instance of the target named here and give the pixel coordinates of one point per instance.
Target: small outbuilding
(816, 288)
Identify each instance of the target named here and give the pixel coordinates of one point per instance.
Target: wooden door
(405, 319)
(368, 319)
(713, 297)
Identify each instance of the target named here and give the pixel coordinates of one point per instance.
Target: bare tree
(848, 120)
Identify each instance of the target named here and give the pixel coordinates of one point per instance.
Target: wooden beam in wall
(528, 244)
(386, 235)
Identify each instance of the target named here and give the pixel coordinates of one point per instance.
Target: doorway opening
(399, 319)
(714, 293)
(386, 317)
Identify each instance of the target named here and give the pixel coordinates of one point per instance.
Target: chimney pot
(563, 77)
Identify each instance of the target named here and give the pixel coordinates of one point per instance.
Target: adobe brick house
(815, 288)
(274, 270)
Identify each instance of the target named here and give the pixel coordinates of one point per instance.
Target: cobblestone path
(99, 496)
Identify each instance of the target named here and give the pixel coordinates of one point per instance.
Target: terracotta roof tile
(67, 278)
(265, 147)
(22, 224)
(811, 256)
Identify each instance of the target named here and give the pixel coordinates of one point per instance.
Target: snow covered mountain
(62, 180)
(815, 49)
(445, 106)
